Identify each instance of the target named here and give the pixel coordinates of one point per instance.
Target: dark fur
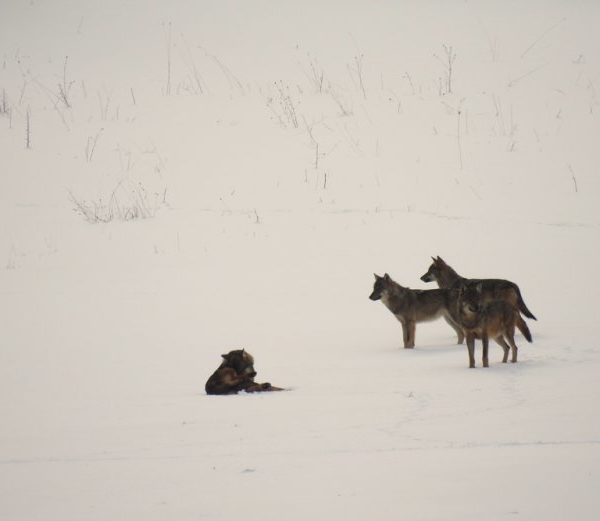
(492, 289)
(411, 306)
(236, 373)
(484, 320)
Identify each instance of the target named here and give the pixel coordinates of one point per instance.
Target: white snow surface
(277, 155)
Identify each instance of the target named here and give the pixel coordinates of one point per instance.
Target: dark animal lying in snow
(236, 373)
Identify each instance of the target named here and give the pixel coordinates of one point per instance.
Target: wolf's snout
(425, 278)
(374, 296)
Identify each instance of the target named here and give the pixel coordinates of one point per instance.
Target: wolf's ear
(386, 277)
(225, 356)
(433, 259)
(377, 277)
(440, 260)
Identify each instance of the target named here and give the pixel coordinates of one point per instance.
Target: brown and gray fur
(236, 373)
(411, 306)
(483, 320)
(492, 289)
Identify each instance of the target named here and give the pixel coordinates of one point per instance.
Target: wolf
(484, 320)
(410, 306)
(492, 289)
(236, 373)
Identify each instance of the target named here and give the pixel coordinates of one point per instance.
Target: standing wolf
(491, 289)
(236, 373)
(410, 306)
(484, 320)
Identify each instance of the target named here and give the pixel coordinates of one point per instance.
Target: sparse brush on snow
(447, 61)
(28, 129)
(4, 108)
(357, 75)
(64, 87)
(343, 105)
(282, 106)
(90, 146)
(167, 28)
(314, 74)
(125, 203)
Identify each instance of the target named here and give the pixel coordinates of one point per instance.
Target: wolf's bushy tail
(521, 304)
(523, 328)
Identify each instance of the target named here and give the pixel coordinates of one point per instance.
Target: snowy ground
(271, 198)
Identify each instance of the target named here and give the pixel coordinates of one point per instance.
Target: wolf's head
(240, 361)
(380, 287)
(434, 273)
(470, 298)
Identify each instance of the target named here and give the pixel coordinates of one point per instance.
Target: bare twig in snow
(345, 111)
(410, 82)
(574, 179)
(90, 146)
(514, 81)
(286, 114)
(398, 101)
(448, 63)
(458, 114)
(167, 36)
(357, 71)
(309, 131)
(104, 105)
(28, 129)
(229, 76)
(4, 109)
(316, 75)
(536, 41)
(64, 88)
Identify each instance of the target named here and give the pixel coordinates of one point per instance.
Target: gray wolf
(484, 320)
(411, 306)
(492, 289)
(236, 373)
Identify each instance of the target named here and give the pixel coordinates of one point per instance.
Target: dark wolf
(484, 320)
(411, 306)
(236, 373)
(492, 289)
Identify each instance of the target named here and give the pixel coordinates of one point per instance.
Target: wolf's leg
(471, 349)
(260, 388)
(404, 333)
(485, 342)
(511, 340)
(459, 331)
(505, 347)
(412, 330)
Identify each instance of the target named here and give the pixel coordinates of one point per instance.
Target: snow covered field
(204, 176)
